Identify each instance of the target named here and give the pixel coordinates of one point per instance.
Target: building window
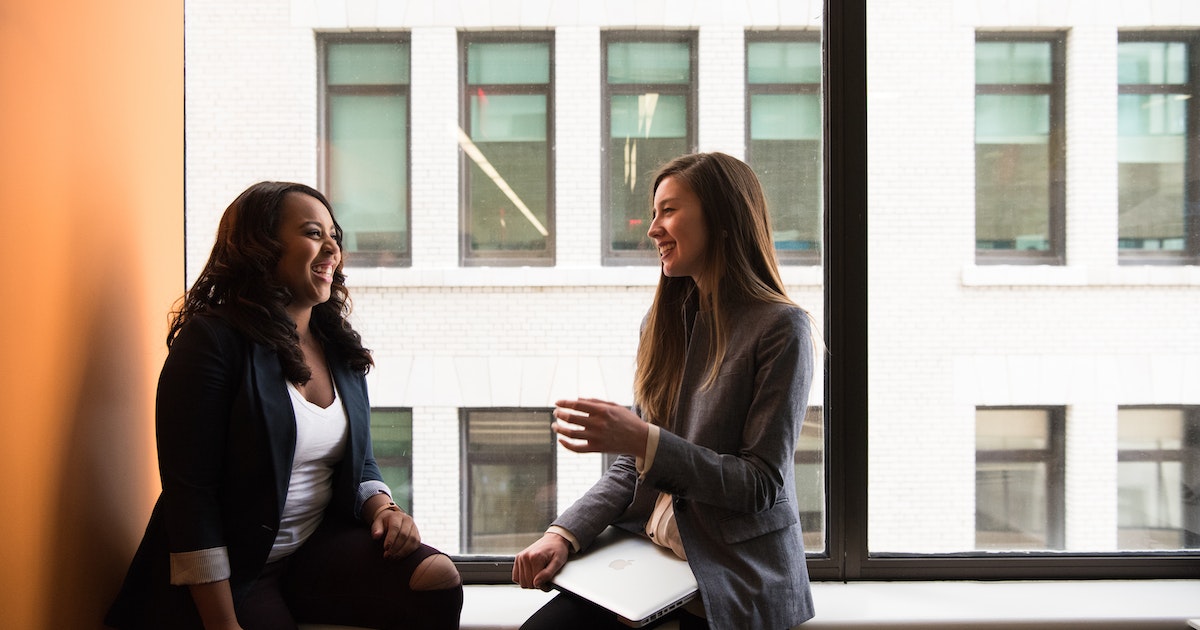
(366, 156)
(1019, 496)
(783, 125)
(391, 437)
(649, 119)
(810, 479)
(1019, 157)
(510, 493)
(506, 136)
(1158, 478)
(1157, 109)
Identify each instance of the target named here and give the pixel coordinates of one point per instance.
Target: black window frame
(609, 255)
(847, 402)
(1190, 255)
(516, 258)
(785, 257)
(373, 258)
(1057, 175)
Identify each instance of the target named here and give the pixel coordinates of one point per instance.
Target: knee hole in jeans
(435, 572)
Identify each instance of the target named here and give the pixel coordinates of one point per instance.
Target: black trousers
(339, 576)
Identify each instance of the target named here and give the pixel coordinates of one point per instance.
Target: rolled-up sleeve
(200, 567)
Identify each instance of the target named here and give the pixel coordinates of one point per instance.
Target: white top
(321, 434)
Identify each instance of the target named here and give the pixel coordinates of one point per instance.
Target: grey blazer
(727, 459)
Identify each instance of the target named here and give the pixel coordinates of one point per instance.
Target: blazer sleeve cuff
(643, 464)
(200, 567)
(562, 531)
(368, 489)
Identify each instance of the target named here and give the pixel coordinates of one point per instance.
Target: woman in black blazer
(273, 510)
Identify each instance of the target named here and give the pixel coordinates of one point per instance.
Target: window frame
(1057, 172)
(845, 266)
(325, 91)
(1188, 456)
(611, 257)
(516, 258)
(785, 257)
(1190, 255)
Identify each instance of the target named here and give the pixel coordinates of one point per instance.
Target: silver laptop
(630, 576)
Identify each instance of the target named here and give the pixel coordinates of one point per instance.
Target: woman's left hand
(602, 427)
(398, 531)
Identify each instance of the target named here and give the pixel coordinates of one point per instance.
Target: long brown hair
(238, 284)
(739, 266)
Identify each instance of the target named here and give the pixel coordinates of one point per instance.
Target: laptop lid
(630, 576)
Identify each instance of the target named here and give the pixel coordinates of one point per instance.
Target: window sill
(1049, 605)
(1069, 276)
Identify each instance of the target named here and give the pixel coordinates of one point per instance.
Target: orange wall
(91, 201)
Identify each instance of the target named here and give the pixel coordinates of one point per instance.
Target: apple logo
(620, 564)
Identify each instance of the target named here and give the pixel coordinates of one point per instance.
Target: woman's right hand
(539, 562)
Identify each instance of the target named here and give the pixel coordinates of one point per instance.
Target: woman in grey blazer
(724, 367)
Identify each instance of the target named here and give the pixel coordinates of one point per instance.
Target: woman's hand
(539, 562)
(601, 427)
(398, 531)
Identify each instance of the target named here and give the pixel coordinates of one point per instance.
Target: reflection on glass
(507, 155)
(810, 479)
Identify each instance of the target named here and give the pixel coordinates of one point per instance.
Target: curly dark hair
(238, 284)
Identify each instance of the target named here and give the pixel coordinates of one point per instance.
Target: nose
(655, 229)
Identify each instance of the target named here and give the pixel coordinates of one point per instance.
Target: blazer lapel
(279, 418)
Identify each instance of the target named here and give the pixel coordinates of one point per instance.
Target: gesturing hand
(599, 427)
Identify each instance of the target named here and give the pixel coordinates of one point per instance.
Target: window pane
(784, 140)
(1012, 62)
(647, 131)
(1012, 162)
(368, 172)
(649, 62)
(391, 435)
(1157, 478)
(1152, 149)
(810, 480)
(367, 63)
(506, 149)
(1015, 499)
(510, 480)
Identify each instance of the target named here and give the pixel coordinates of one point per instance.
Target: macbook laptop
(630, 576)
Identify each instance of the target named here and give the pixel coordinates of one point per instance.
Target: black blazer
(226, 435)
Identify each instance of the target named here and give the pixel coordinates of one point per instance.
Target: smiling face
(679, 230)
(310, 252)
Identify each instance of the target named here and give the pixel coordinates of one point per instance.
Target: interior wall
(91, 201)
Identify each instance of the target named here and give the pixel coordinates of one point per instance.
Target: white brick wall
(946, 335)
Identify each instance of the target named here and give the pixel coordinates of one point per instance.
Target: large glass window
(366, 146)
(783, 109)
(1019, 166)
(1158, 478)
(509, 478)
(391, 435)
(649, 119)
(506, 140)
(1157, 106)
(1018, 479)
